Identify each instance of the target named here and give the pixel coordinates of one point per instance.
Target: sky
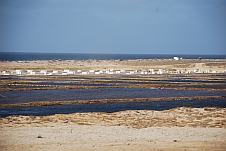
(113, 26)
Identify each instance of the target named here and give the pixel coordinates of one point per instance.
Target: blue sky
(113, 26)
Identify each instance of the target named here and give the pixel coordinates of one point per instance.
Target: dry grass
(177, 117)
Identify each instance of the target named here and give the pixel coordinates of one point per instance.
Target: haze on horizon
(113, 26)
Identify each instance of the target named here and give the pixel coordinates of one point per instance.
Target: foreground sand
(63, 137)
(175, 129)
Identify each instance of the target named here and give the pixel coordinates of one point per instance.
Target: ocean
(27, 56)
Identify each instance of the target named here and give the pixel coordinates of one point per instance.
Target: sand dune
(175, 129)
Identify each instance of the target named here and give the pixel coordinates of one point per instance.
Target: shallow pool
(111, 107)
(14, 97)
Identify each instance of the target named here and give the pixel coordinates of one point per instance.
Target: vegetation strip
(177, 117)
(48, 103)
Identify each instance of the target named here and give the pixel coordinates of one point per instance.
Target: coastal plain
(137, 64)
(181, 128)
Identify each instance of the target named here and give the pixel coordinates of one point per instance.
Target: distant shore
(138, 66)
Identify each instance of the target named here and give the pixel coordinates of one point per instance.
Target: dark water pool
(111, 107)
(13, 97)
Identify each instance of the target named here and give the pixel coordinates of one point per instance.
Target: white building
(29, 71)
(159, 71)
(18, 71)
(91, 71)
(131, 72)
(55, 72)
(176, 58)
(117, 72)
(152, 71)
(5, 73)
(32, 73)
(111, 72)
(97, 72)
(85, 73)
(43, 72)
(66, 71)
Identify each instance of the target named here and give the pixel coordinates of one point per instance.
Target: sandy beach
(65, 137)
(175, 129)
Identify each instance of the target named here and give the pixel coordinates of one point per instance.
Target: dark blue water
(13, 97)
(111, 107)
(22, 56)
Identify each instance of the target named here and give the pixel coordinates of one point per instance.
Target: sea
(29, 56)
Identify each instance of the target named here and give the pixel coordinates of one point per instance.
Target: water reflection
(13, 97)
(111, 107)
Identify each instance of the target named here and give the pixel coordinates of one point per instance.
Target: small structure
(43, 72)
(85, 73)
(5, 73)
(131, 72)
(152, 71)
(160, 71)
(122, 70)
(55, 72)
(71, 72)
(32, 73)
(111, 72)
(91, 71)
(144, 72)
(66, 71)
(97, 72)
(176, 58)
(29, 71)
(18, 71)
(117, 72)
